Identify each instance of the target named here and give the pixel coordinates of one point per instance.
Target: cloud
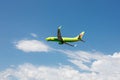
(32, 46)
(108, 65)
(31, 72)
(91, 66)
(104, 67)
(83, 59)
(34, 35)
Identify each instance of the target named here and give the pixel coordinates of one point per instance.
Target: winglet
(59, 27)
(75, 45)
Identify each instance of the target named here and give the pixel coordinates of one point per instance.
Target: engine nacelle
(60, 43)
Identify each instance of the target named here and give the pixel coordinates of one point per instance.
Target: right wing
(70, 44)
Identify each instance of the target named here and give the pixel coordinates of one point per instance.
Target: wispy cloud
(32, 46)
(104, 67)
(97, 67)
(83, 58)
(34, 35)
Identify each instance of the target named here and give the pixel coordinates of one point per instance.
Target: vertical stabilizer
(81, 35)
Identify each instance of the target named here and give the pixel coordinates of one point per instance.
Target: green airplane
(65, 40)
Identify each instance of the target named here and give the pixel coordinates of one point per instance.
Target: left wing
(60, 37)
(59, 34)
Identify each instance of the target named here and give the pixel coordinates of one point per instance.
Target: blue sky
(100, 20)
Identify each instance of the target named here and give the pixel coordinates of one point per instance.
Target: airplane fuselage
(65, 39)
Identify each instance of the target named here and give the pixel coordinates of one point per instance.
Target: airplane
(65, 40)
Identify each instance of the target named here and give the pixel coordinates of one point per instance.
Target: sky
(26, 55)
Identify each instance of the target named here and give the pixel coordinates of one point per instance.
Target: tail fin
(81, 35)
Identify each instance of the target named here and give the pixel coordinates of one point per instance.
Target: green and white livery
(65, 40)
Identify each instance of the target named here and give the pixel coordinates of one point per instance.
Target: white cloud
(34, 35)
(108, 65)
(82, 58)
(104, 67)
(32, 46)
(31, 72)
(101, 67)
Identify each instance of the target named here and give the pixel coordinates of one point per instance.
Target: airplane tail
(80, 35)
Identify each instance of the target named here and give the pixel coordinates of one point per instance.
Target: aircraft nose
(47, 39)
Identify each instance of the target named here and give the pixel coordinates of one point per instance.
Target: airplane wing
(70, 44)
(59, 34)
